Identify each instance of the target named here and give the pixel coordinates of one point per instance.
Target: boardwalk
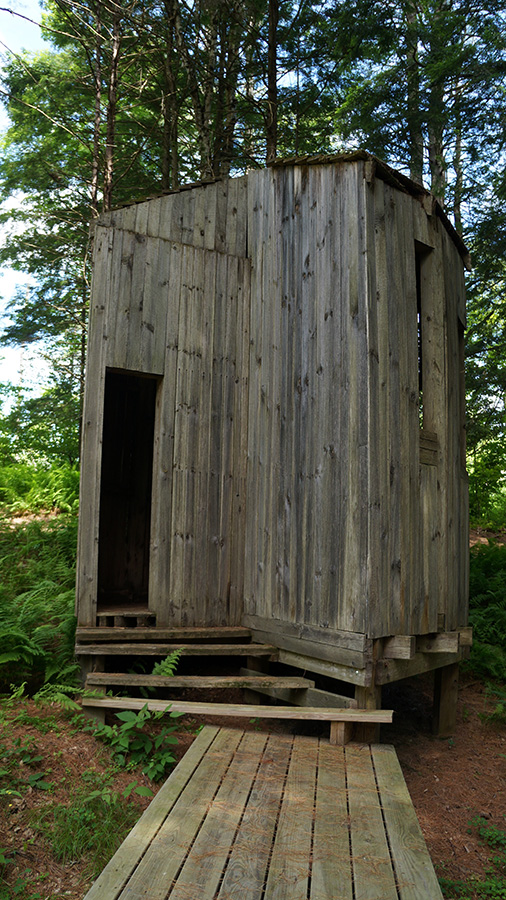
(256, 816)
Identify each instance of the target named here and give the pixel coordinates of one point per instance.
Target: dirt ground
(450, 781)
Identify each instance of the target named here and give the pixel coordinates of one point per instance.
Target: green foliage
(132, 746)
(168, 665)
(487, 610)
(37, 622)
(25, 487)
(91, 826)
(493, 885)
(20, 768)
(497, 695)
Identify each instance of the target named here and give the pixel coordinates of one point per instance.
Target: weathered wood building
(274, 421)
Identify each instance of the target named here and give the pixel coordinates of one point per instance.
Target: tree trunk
(111, 110)
(457, 163)
(413, 110)
(97, 119)
(271, 125)
(169, 108)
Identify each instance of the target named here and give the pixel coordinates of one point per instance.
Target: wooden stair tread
(199, 681)
(144, 649)
(120, 609)
(154, 633)
(245, 710)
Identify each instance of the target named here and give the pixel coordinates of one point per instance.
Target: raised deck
(255, 816)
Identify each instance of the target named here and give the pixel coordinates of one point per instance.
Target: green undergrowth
(492, 886)
(90, 826)
(133, 746)
(37, 622)
(487, 610)
(85, 824)
(26, 488)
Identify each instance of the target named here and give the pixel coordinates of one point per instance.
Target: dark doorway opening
(125, 494)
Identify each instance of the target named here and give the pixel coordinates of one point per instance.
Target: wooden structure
(342, 721)
(274, 425)
(253, 816)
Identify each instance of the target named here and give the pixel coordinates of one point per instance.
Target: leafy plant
(493, 885)
(132, 746)
(168, 665)
(17, 756)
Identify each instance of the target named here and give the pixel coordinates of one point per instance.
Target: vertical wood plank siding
(168, 301)
(345, 528)
(279, 311)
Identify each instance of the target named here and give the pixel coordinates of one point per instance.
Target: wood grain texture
(252, 815)
(414, 871)
(115, 875)
(292, 481)
(331, 714)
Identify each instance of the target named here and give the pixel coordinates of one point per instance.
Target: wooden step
(344, 717)
(141, 649)
(198, 681)
(142, 633)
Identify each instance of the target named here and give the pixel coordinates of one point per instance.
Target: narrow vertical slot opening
(125, 492)
(423, 298)
(462, 392)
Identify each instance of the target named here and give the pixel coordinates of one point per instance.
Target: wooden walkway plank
(202, 871)
(331, 875)
(161, 863)
(256, 816)
(415, 874)
(118, 870)
(290, 864)
(249, 859)
(372, 867)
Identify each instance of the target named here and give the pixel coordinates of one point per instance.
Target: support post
(368, 697)
(90, 664)
(260, 666)
(341, 733)
(446, 686)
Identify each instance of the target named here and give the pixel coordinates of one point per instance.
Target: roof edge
(390, 176)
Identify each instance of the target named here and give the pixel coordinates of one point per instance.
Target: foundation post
(446, 686)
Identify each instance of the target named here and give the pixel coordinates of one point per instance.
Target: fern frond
(168, 665)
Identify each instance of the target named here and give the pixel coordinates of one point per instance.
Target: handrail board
(199, 681)
(142, 649)
(245, 710)
(155, 633)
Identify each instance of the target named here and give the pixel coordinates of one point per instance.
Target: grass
(91, 826)
(87, 822)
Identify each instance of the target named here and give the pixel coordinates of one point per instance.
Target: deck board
(257, 816)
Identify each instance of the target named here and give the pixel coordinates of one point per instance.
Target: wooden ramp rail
(256, 816)
(341, 720)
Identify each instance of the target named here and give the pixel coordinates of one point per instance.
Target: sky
(17, 34)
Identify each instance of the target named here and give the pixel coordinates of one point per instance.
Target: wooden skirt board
(257, 816)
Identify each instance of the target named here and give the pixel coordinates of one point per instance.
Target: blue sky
(17, 34)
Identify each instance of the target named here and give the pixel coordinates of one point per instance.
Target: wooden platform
(256, 816)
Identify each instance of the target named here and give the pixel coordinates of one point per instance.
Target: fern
(168, 665)
(63, 694)
(487, 610)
